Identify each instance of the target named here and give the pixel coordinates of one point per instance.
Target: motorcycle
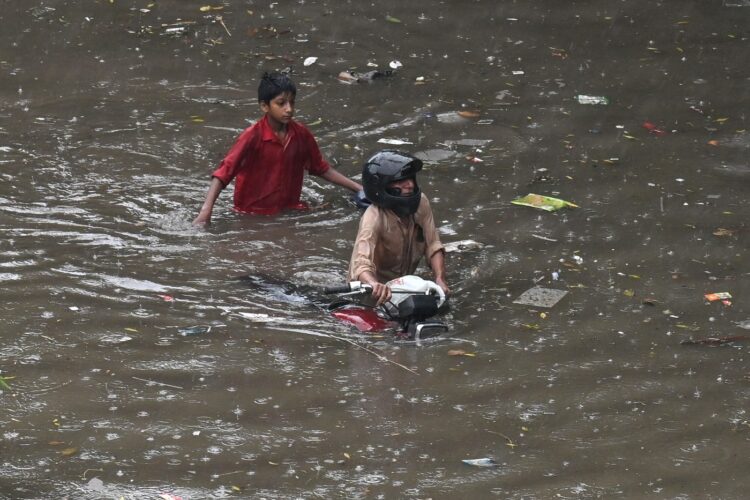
(414, 301)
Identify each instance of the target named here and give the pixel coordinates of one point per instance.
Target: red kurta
(268, 173)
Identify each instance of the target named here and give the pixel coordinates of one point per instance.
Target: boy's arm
(437, 263)
(204, 216)
(334, 176)
(380, 292)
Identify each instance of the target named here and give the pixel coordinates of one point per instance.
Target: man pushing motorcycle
(397, 229)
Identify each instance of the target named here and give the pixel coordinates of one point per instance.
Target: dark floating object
(714, 341)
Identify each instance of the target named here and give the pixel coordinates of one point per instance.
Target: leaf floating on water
(209, 8)
(69, 452)
(469, 114)
(721, 231)
(4, 382)
(628, 293)
(461, 352)
(392, 19)
(687, 327)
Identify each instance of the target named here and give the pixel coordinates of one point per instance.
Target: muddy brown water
(110, 126)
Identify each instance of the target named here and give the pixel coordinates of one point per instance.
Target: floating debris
(4, 383)
(193, 330)
(394, 142)
(474, 143)
(540, 297)
(461, 352)
(592, 99)
(481, 462)
(543, 202)
(653, 129)
(715, 341)
(724, 297)
(435, 155)
(351, 77)
(462, 246)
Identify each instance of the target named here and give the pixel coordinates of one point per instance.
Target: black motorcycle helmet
(385, 167)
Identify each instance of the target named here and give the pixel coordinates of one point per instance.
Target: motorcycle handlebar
(351, 287)
(329, 290)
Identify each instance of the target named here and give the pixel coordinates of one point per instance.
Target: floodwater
(114, 113)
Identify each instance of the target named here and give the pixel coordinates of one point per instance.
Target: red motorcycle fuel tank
(364, 319)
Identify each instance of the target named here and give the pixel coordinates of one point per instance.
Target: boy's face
(280, 109)
(404, 187)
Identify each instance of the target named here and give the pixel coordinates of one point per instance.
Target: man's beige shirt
(389, 246)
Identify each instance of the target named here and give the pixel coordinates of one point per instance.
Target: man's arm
(204, 216)
(334, 176)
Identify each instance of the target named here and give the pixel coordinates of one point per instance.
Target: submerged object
(481, 462)
(193, 330)
(462, 246)
(355, 77)
(408, 313)
(540, 297)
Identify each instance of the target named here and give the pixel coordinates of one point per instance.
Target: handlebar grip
(337, 289)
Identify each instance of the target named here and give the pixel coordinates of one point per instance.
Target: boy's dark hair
(273, 84)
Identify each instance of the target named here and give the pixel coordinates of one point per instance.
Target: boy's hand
(380, 292)
(202, 219)
(442, 284)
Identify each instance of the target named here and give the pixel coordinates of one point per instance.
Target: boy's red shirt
(268, 173)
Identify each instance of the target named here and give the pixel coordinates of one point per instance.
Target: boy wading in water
(398, 229)
(269, 159)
